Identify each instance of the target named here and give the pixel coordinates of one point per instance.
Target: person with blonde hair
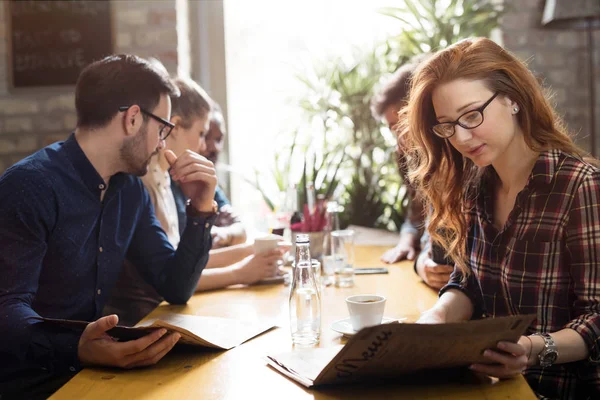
(228, 229)
(133, 298)
(515, 205)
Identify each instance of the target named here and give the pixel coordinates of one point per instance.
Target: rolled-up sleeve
(470, 288)
(414, 222)
(583, 251)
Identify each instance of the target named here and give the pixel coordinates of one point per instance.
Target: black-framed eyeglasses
(167, 127)
(469, 120)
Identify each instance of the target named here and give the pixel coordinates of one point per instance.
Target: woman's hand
(259, 266)
(435, 275)
(221, 237)
(197, 177)
(506, 360)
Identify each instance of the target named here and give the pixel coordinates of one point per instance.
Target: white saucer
(344, 326)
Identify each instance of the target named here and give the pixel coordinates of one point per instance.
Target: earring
(515, 110)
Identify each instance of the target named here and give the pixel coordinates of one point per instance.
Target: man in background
(228, 229)
(385, 106)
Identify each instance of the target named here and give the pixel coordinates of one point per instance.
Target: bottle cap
(302, 238)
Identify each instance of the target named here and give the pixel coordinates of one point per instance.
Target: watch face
(549, 359)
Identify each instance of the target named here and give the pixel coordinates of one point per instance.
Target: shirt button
(101, 186)
(72, 369)
(101, 249)
(99, 292)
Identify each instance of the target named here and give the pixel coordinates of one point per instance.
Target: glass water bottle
(305, 302)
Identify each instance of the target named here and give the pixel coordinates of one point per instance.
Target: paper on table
(394, 349)
(220, 333)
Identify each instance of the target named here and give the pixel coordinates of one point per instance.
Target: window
(266, 43)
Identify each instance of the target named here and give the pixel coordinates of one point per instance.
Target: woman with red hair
(516, 206)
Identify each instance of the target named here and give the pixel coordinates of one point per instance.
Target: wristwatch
(549, 354)
(191, 211)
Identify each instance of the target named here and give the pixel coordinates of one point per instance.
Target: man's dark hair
(218, 118)
(396, 90)
(118, 80)
(193, 102)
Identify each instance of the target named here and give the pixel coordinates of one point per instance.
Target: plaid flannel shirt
(545, 261)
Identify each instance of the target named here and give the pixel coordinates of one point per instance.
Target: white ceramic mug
(266, 243)
(365, 310)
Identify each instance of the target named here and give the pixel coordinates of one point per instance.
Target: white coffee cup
(266, 243)
(365, 310)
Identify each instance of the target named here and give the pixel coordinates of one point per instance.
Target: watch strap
(191, 211)
(549, 347)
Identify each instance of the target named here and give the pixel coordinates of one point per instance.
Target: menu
(214, 332)
(390, 350)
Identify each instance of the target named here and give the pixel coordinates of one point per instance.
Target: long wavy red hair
(442, 176)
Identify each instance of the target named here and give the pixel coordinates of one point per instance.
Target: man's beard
(132, 153)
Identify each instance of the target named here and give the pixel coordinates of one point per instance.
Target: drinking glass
(342, 251)
(332, 219)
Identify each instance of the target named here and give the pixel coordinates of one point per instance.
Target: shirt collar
(82, 165)
(546, 166)
(542, 174)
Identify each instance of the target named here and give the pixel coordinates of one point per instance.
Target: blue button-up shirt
(61, 251)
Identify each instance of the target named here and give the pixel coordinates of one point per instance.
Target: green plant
(429, 25)
(320, 165)
(337, 96)
(344, 151)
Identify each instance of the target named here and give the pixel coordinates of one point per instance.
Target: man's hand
(405, 249)
(434, 275)
(96, 347)
(197, 177)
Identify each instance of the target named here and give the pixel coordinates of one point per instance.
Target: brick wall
(561, 58)
(31, 119)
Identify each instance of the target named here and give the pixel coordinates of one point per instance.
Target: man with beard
(228, 229)
(72, 212)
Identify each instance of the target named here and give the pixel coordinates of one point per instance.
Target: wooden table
(241, 373)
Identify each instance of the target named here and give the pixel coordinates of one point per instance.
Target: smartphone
(438, 255)
(370, 271)
(121, 333)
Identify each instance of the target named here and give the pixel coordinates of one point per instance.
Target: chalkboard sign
(52, 41)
